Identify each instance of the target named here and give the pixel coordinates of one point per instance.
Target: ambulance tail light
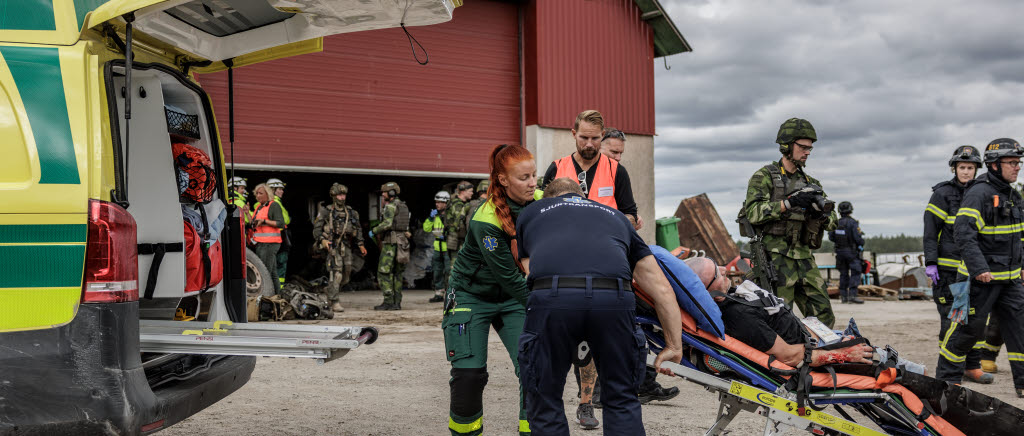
(111, 255)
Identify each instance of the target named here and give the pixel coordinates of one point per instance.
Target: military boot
(438, 296)
(382, 306)
(336, 307)
(853, 298)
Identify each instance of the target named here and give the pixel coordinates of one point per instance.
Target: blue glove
(961, 301)
(433, 213)
(932, 271)
(371, 234)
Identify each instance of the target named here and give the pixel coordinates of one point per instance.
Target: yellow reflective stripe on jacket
(1005, 275)
(950, 263)
(944, 352)
(1019, 357)
(524, 426)
(466, 428)
(973, 213)
(1001, 230)
(938, 212)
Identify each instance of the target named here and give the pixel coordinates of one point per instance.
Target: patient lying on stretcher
(761, 320)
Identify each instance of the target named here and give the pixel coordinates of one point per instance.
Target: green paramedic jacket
(485, 266)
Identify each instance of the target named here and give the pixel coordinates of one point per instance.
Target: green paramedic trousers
(466, 327)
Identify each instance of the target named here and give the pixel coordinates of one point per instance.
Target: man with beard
(602, 179)
(336, 230)
(783, 205)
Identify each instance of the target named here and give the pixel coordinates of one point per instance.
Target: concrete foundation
(548, 144)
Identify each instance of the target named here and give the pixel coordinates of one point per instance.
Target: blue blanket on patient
(691, 294)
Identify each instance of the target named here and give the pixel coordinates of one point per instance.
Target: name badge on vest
(606, 191)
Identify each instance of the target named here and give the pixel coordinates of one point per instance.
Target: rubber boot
(978, 376)
(989, 366)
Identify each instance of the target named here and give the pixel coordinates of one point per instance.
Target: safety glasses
(582, 178)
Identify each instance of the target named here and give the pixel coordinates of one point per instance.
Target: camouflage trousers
(800, 282)
(339, 269)
(389, 274)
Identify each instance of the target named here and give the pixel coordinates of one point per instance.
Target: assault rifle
(764, 272)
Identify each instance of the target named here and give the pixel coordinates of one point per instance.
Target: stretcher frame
(779, 407)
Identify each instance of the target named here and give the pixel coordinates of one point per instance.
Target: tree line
(901, 243)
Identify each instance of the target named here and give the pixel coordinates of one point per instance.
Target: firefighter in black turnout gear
(849, 243)
(941, 253)
(988, 229)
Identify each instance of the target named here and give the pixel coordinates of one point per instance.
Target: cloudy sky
(891, 88)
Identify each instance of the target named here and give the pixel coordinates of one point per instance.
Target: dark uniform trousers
(944, 302)
(848, 264)
(557, 320)
(1006, 300)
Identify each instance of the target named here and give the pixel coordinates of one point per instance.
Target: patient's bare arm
(793, 355)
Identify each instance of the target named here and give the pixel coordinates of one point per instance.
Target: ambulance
(122, 263)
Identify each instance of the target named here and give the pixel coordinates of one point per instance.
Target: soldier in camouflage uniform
(780, 206)
(456, 224)
(394, 236)
(335, 229)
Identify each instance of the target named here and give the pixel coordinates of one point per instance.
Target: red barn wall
(365, 103)
(588, 54)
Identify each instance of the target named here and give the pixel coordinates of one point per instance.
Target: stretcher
(894, 401)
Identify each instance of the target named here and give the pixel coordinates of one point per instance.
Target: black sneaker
(658, 393)
(585, 417)
(382, 306)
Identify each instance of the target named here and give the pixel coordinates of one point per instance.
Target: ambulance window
(227, 17)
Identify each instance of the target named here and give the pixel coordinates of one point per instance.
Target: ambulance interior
(151, 186)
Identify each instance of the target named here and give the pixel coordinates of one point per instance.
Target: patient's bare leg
(588, 378)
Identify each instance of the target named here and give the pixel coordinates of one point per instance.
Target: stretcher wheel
(373, 334)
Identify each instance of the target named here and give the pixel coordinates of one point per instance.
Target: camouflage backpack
(306, 304)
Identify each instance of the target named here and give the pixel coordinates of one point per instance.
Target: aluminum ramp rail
(323, 343)
(779, 410)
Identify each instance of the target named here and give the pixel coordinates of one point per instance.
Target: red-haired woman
(487, 288)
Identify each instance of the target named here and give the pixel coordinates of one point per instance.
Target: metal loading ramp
(323, 343)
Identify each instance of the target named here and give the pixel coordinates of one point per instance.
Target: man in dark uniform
(849, 244)
(941, 253)
(581, 292)
(988, 228)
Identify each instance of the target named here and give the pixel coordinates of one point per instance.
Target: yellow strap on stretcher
(776, 402)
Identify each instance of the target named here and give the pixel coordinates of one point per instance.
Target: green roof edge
(667, 38)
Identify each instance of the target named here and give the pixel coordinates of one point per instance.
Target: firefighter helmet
(1002, 147)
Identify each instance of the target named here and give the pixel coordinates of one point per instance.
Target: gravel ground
(399, 385)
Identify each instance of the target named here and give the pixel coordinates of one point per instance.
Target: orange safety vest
(603, 189)
(266, 234)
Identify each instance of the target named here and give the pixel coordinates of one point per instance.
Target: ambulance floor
(399, 385)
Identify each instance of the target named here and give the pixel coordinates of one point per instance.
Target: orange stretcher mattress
(820, 379)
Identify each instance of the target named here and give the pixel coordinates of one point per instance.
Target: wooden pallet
(869, 292)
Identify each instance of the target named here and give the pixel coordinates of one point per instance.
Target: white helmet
(237, 181)
(442, 196)
(275, 183)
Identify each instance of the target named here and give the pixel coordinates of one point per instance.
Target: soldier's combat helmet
(845, 208)
(793, 129)
(483, 185)
(1002, 147)
(391, 188)
(965, 153)
(463, 185)
(442, 196)
(338, 188)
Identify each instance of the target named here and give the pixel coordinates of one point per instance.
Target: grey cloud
(892, 88)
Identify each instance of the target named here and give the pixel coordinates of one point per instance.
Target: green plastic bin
(667, 232)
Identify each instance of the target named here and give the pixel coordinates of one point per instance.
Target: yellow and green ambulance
(97, 332)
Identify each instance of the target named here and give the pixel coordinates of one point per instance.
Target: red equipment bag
(201, 263)
(195, 173)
